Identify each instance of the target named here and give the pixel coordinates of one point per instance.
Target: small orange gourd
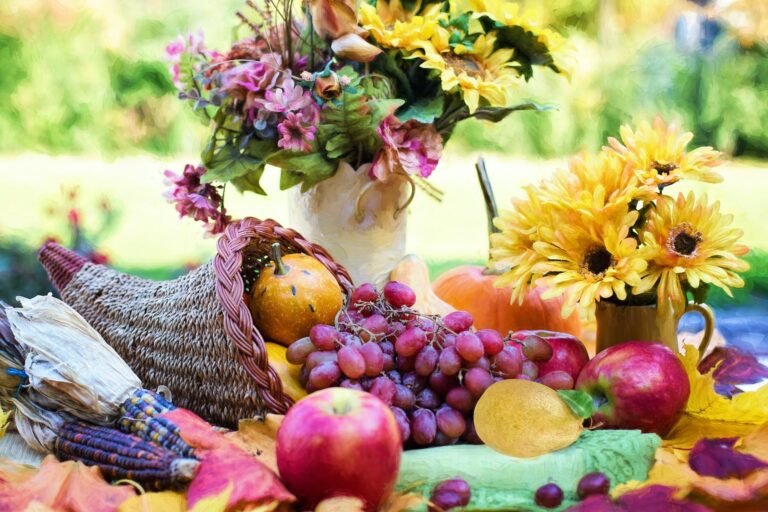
(293, 293)
(412, 270)
(470, 288)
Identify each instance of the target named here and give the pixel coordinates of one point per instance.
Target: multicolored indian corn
(141, 417)
(122, 456)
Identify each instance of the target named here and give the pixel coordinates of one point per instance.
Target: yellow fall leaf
(217, 503)
(259, 437)
(691, 429)
(167, 501)
(667, 470)
(756, 443)
(5, 418)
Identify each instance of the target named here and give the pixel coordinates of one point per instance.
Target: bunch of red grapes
(430, 370)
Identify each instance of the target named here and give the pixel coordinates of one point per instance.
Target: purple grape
(469, 346)
(460, 399)
(450, 422)
(304, 376)
(387, 347)
(492, 341)
(404, 398)
(410, 342)
(426, 360)
(530, 370)
(374, 327)
(320, 356)
(351, 362)
(509, 362)
(458, 321)
(470, 434)
(449, 361)
(443, 440)
(324, 375)
(324, 337)
(427, 399)
(557, 380)
(399, 295)
(423, 427)
(451, 494)
(394, 330)
(383, 389)
(593, 483)
(351, 384)
(348, 339)
(373, 359)
(366, 383)
(477, 380)
(442, 383)
(414, 381)
(445, 501)
(395, 376)
(405, 364)
(389, 363)
(403, 423)
(536, 349)
(354, 316)
(448, 340)
(549, 496)
(299, 350)
(366, 292)
(457, 485)
(483, 363)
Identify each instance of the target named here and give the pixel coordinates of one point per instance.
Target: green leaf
(230, 162)
(581, 403)
(289, 179)
(302, 168)
(250, 182)
(426, 110)
(380, 109)
(529, 49)
(497, 114)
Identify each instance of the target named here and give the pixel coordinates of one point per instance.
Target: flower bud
(354, 47)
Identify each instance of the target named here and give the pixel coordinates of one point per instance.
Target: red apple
(636, 385)
(339, 442)
(568, 353)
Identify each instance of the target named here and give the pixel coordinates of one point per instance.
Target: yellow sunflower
(588, 261)
(658, 154)
(393, 27)
(692, 243)
(597, 186)
(479, 73)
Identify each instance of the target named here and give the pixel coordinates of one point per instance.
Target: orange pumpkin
(470, 288)
(292, 294)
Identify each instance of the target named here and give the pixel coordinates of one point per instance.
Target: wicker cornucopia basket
(194, 334)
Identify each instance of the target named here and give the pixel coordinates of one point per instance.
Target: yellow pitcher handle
(709, 324)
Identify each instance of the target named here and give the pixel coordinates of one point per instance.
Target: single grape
(320, 356)
(458, 321)
(395, 376)
(410, 342)
(483, 363)
(445, 501)
(325, 337)
(470, 434)
(530, 370)
(351, 362)
(426, 360)
(448, 340)
(383, 389)
(299, 350)
(426, 325)
(509, 362)
(558, 380)
(347, 338)
(449, 361)
(442, 383)
(549, 496)
(404, 397)
(354, 316)
(324, 375)
(460, 399)
(387, 347)
(593, 483)
(423, 427)
(373, 358)
(414, 381)
(450, 422)
(399, 295)
(366, 292)
(477, 380)
(403, 423)
(523, 376)
(394, 330)
(366, 383)
(469, 346)
(457, 485)
(303, 376)
(427, 399)
(443, 440)
(351, 384)
(536, 349)
(405, 364)
(492, 341)
(374, 327)
(389, 363)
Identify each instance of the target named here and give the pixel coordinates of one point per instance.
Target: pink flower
(174, 49)
(289, 97)
(200, 201)
(296, 132)
(193, 44)
(410, 147)
(250, 81)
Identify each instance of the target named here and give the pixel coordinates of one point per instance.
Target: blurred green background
(87, 105)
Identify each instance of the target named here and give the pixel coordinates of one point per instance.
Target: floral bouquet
(605, 230)
(327, 82)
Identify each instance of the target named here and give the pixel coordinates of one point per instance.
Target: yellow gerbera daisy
(692, 243)
(597, 186)
(397, 28)
(659, 157)
(589, 261)
(482, 73)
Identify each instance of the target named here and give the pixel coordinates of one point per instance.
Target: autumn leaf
(651, 498)
(4, 420)
(718, 458)
(756, 443)
(690, 429)
(732, 367)
(167, 501)
(259, 438)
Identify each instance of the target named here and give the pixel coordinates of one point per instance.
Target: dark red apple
(339, 442)
(636, 385)
(568, 352)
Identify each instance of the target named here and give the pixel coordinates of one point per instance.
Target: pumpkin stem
(490, 201)
(280, 268)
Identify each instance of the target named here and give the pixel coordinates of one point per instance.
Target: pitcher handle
(709, 324)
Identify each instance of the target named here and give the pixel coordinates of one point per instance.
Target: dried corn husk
(37, 426)
(11, 358)
(69, 366)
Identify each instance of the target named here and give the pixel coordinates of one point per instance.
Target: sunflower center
(684, 240)
(464, 63)
(597, 260)
(663, 168)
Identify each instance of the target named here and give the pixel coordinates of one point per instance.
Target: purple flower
(289, 97)
(411, 147)
(296, 132)
(250, 81)
(200, 201)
